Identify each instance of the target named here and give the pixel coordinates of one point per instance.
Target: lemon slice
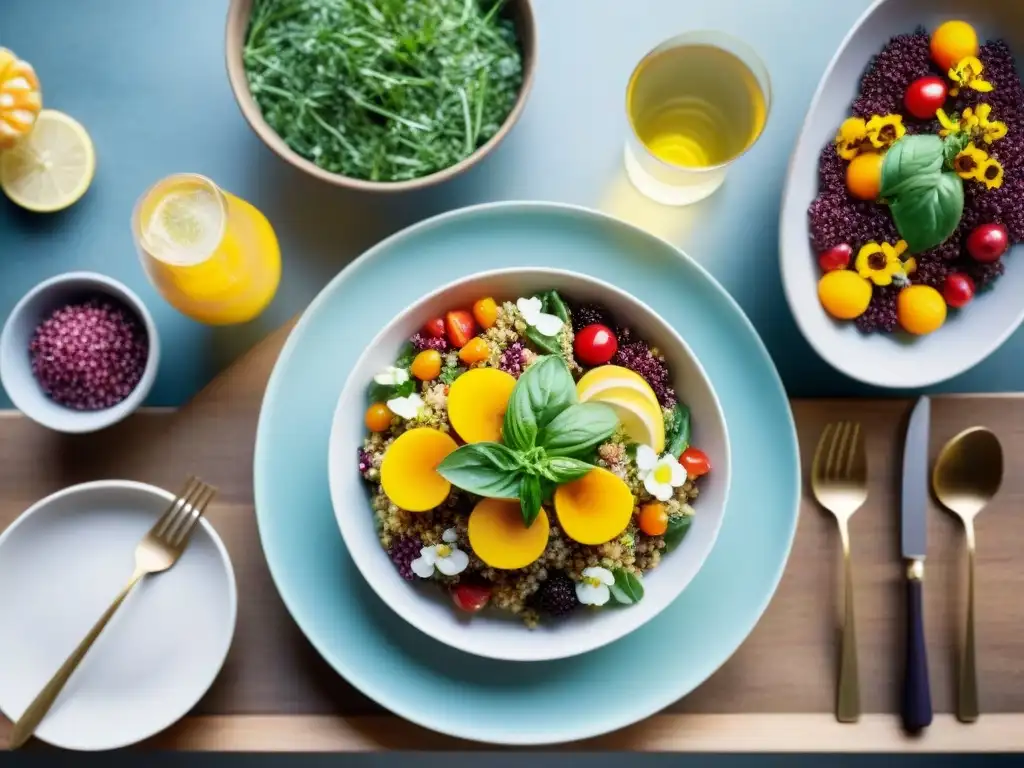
(52, 167)
(640, 418)
(613, 377)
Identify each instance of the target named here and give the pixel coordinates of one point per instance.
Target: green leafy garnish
(548, 437)
(627, 589)
(450, 373)
(406, 355)
(384, 90)
(677, 435)
(678, 527)
(926, 198)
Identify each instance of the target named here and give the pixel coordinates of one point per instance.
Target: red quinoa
(836, 217)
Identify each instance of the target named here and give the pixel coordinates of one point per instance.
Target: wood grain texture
(786, 666)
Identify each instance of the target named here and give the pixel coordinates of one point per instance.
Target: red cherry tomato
(925, 96)
(461, 327)
(434, 328)
(471, 597)
(695, 462)
(987, 242)
(958, 289)
(837, 257)
(595, 345)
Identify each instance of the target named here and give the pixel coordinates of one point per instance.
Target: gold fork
(839, 479)
(159, 549)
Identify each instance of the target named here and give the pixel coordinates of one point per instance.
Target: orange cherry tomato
(952, 42)
(485, 312)
(653, 518)
(426, 366)
(475, 350)
(461, 327)
(864, 176)
(695, 462)
(378, 418)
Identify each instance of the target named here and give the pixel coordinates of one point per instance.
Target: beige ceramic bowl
(238, 22)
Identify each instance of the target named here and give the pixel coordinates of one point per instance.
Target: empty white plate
(61, 564)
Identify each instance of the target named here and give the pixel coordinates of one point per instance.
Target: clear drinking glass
(694, 103)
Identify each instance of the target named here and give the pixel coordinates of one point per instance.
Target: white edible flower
(660, 475)
(593, 588)
(392, 376)
(445, 557)
(530, 309)
(406, 407)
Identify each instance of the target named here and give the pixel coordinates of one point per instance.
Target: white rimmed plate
(61, 564)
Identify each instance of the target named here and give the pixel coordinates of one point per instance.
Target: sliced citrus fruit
(52, 167)
(641, 418)
(612, 377)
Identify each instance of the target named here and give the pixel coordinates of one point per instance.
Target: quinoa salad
(921, 193)
(529, 455)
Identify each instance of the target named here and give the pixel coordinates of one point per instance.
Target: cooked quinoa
(403, 533)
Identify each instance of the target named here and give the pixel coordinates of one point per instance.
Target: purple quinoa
(89, 356)
(836, 217)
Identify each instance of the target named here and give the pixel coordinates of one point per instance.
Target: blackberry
(589, 314)
(557, 595)
(403, 551)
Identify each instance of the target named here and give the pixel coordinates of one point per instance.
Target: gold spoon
(967, 475)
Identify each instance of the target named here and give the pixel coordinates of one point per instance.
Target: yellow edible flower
(969, 161)
(991, 174)
(880, 262)
(851, 138)
(967, 74)
(910, 265)
(986, 129)
(885, 130)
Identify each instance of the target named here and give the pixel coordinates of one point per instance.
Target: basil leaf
(529, 498)
(678, 527)
(544, 343)
(486, 469)
(554, 305)
(909, 157)
(382, 392)
(681, 431)
(547, 490)
(952, 146)
(563, 469)
(627, 588)
(578, 428)
(928, 209)
(544, 390)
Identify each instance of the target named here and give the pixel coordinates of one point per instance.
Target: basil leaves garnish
(678, 527)
(628, 588)
(547, 434)
(677, 433)
(925, 196)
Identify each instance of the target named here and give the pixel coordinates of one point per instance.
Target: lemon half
(51, 167)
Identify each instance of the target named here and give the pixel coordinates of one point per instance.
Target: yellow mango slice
(477, 401)
(499, 538)
(409, 473)
(594, 509)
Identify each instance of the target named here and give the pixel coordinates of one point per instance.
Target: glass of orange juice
(211, 255)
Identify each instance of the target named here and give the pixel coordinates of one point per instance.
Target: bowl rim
(876, 376)
(590, 641)
(71, 421)
(237, 22)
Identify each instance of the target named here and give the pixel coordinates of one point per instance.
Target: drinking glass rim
(205, 181)
(694, 33)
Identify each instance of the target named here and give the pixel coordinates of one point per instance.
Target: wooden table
(775, 694)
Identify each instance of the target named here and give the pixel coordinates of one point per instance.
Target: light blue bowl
(15, 365)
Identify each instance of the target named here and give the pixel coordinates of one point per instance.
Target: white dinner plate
(61, 564)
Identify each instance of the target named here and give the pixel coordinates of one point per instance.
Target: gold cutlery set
(966, 476)
(161, 547)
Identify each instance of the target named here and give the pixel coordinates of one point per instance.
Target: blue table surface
(148, 80)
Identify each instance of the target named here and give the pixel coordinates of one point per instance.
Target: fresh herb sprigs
(384, 90)
(547, 436)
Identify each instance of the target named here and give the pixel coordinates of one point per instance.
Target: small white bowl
(16, 368)
(491, 633)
